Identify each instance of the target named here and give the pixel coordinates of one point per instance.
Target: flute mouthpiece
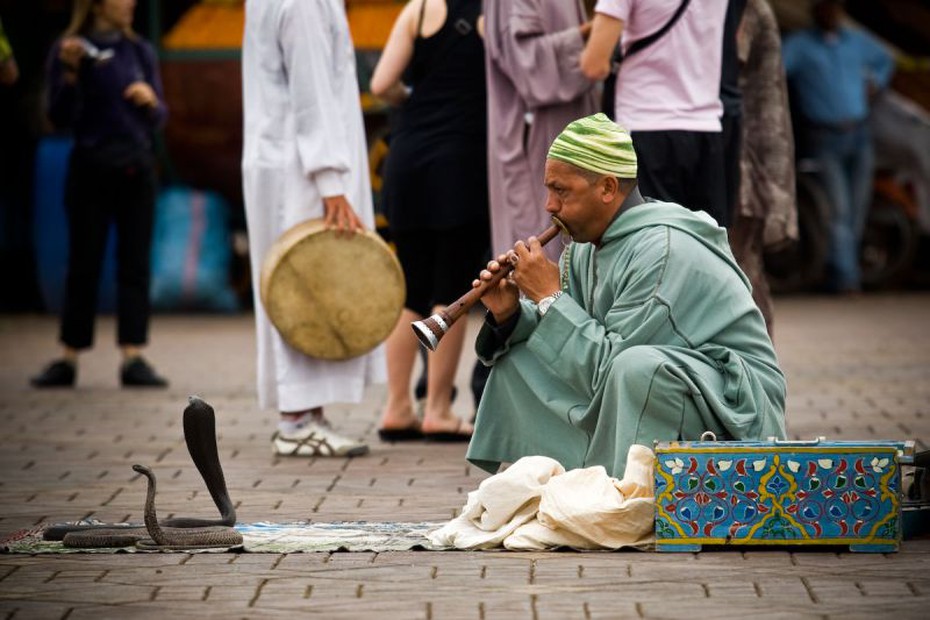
(430, 330)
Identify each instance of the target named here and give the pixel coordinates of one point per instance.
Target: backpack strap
(610, 83)
(641, 44)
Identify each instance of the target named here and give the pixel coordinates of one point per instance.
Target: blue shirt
(831, 73)
(94, 107)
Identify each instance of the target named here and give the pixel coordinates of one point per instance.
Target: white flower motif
(758, 465)
(825, 463)
(878, 465)
(675, 465)
(724, 465)
(794, 466)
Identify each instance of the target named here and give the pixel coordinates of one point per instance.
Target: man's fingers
(339, 216)
(358, 227)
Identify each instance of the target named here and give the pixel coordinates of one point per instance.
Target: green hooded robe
(656, 337)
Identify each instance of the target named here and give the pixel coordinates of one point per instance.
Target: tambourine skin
(332, 296)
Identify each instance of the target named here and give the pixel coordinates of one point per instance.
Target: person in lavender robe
(535, 88)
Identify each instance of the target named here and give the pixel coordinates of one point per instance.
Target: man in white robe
(535, 88)
(304, 157)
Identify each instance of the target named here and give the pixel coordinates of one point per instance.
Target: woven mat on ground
(271, 538)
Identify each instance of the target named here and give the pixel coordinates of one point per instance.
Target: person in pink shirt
(667, 93)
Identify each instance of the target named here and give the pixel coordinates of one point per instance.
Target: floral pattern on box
(764, 496)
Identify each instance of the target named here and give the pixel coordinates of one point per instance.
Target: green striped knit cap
(598, 144)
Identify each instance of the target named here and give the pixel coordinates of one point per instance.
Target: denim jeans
(846, 161)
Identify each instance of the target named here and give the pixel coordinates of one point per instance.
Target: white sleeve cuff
(329, 183)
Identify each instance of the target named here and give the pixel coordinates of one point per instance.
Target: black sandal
(407, 433)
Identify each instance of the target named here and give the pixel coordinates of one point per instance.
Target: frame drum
(332, 296)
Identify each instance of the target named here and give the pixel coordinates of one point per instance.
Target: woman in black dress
(435, 195)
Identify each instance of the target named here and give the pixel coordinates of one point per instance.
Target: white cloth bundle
(535, 504)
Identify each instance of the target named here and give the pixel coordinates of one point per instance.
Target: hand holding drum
(430, 330)
(332, 289)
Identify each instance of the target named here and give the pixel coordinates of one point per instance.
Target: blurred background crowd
(200, 249)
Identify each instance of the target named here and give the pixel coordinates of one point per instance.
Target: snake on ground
(178, 532)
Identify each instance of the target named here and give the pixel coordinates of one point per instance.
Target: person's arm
(62, 88)
(9, 71)
(321, 135)
(543, 66)
(604, 38)
(879, 62)
(580, 348)
(386, 79)
(500, 332)
(511, 320)
(496, 338)
(506, 312)
(148, 93)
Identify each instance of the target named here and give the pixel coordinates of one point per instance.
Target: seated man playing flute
(645, 331)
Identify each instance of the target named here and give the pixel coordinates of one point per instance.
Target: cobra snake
(178, 532)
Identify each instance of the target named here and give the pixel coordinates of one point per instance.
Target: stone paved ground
(858, 369)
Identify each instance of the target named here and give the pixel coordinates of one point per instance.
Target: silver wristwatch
(543, 306)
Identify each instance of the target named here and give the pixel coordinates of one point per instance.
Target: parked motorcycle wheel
(889, 244)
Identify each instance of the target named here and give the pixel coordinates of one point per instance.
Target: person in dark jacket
(103, 84)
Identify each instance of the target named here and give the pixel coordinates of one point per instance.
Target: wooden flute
(430, 330)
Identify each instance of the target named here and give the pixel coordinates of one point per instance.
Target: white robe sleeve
(311, 58)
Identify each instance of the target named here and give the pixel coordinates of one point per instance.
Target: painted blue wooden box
(814, 492)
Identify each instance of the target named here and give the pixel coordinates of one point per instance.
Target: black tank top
(448, 78)
(436, 174)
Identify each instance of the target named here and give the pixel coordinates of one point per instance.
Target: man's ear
(610, 187)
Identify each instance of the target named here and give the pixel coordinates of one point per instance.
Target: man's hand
(534, 274)
(502, 300)
(340, 215)
(141, 94)
(585, 30)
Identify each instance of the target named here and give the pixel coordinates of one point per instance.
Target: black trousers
(686, 167)
(732, 135)
(99, 193)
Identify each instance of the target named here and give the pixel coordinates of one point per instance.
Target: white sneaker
(315, 439)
